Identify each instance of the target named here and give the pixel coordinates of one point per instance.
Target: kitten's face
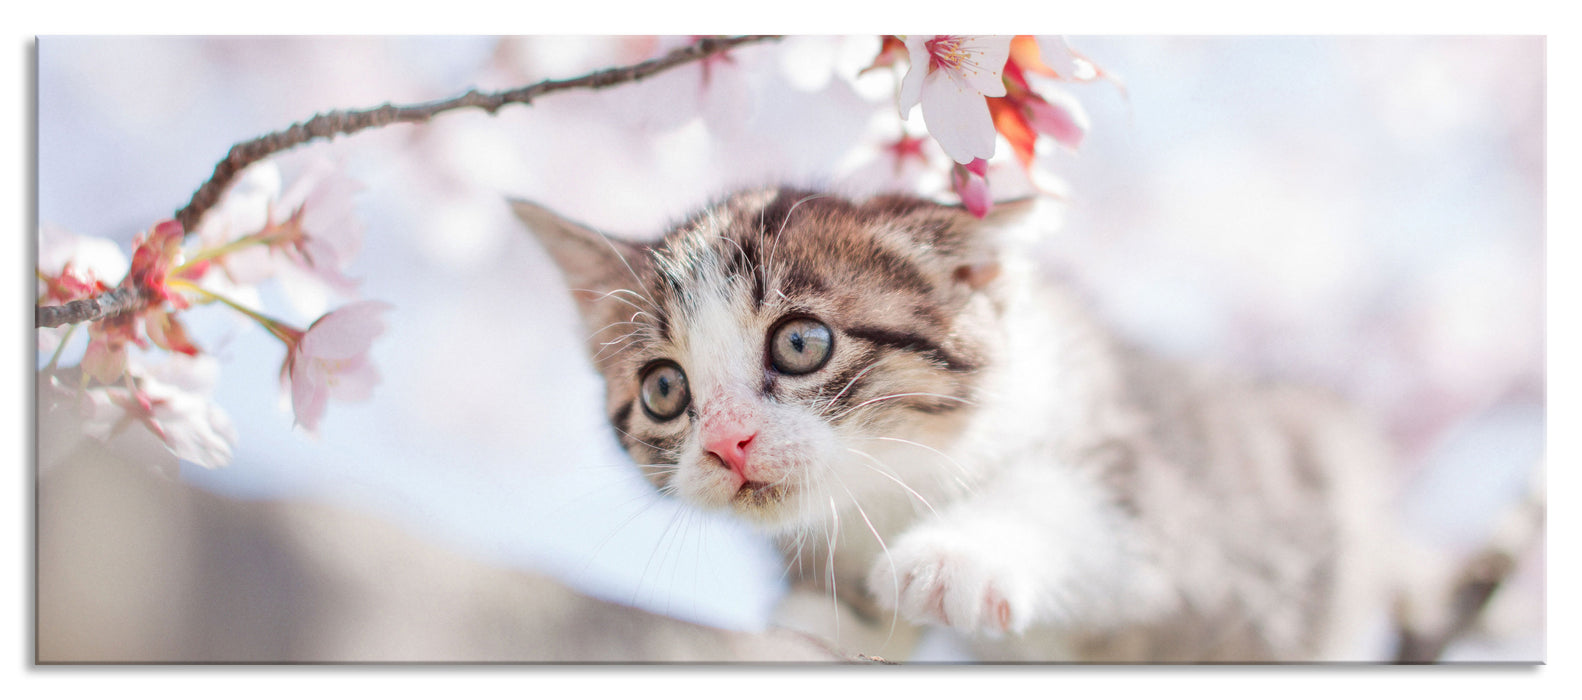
(761, 355)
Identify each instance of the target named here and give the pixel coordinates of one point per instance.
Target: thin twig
(345, 122)
(1478, 579)
(348, 122)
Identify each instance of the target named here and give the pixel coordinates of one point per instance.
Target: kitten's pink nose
(730, 445)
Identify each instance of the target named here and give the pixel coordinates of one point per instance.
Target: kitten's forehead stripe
(622, 417)
(911, 342)
(801, 280)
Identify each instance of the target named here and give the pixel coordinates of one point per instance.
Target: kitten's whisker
(620, 338)
(959, 467)
(769, 262)
(612, 297)
(610, 350)
(796, 555)
(739, 249)
(636, 593)
(829, 567)
(656, 448)
(624, 469)
(588, 561)
(653, 306)
(896, 581)
(635, 277)
(615, 346)
(892, 477)
(681, 549)
(827, 405)
(848, 411)
(610, 325)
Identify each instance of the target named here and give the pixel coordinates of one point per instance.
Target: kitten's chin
(773, 507)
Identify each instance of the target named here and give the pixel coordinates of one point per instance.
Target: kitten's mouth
(757, 494)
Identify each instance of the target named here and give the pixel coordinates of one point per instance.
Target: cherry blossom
(1062, 62)
(318, 229)
(970, 183)
(330, 360)
(105, 357)
(167, 332)
(172, 402)
(155, 262)
(72, 267)
(304, 236)
(892, 51)
(228, 231)
(90, 262)
(1060, 117)
(1024, 113)
(950, 75)
(155, 256)
(169, 403)
(904, 149)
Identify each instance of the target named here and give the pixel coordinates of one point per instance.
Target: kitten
(936, 436)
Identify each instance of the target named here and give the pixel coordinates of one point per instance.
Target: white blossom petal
(100, 257)
(192, 426)
(1055, 53)
(982, 70)
(958, 119)
(244, 209)
(912, 84)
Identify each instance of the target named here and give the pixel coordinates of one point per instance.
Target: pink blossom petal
(958, 119)
(244, 209)
(319, 259)
(345, 332)
(326, 197)
(1062, 118)
(970, 185)
(355, 383)
(307, 396)
(331, 360)
(103, 360)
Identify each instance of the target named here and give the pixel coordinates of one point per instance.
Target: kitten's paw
(938, 578)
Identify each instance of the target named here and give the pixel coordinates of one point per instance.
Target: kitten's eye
(800, 345)
(664, 390)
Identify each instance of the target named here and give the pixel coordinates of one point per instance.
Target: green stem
(262, 237)
(278, 328)
(55, 358)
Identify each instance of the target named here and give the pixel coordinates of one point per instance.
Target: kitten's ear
(594, 264)
(981, 265)
(1009, 212)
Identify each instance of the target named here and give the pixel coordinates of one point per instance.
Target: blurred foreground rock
(135, 567)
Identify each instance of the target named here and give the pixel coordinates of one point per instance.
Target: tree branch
(1478, 579)
(346, 122)
(119, 300)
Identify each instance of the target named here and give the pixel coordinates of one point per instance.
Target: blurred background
(1364, 213)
